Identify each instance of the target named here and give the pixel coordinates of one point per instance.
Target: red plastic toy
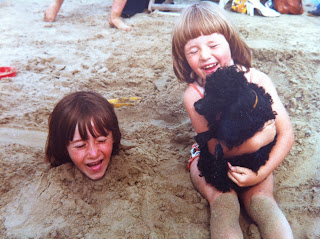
(8, 71)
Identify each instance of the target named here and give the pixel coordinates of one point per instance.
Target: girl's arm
(285, 139)
(200, 125)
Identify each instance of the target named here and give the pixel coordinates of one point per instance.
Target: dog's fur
(228, 106)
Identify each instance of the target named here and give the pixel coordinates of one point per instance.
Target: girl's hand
(243, 177)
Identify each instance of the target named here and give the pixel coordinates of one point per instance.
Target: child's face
(207, 53)
(91, 156)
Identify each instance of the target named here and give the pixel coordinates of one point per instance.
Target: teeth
(209, 66)
(92, 164)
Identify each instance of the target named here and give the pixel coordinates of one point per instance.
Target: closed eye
(213, 46)
(192, 51)
(79, 146)
(102, 139)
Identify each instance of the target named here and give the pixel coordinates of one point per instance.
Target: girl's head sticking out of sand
(83, 129)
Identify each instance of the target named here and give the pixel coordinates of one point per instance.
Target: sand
(147, 192)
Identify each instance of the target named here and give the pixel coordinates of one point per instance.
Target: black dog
(235, 110)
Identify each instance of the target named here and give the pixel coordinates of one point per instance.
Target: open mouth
(94, 164)
(210, 67)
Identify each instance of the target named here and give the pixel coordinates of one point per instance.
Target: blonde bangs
(199, 20)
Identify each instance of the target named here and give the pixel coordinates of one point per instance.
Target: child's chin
(96, 176)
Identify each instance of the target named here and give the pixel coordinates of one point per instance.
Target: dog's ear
(200, 106)
(207, 107)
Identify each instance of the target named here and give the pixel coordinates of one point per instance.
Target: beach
(147, 191)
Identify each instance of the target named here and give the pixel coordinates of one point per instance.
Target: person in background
(114, 19)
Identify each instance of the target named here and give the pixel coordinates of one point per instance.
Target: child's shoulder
(261, 79)
(193, 93)
(257, 77)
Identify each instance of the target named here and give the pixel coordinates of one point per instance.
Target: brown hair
(204, 18)
(82, 109)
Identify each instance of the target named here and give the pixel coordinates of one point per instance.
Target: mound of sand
(147, 192)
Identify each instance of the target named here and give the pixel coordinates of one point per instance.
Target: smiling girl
(83, 130)
(203, 41)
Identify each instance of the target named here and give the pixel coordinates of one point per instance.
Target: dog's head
(227, 93)
(233, 107)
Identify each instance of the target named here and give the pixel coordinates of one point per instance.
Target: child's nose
(93, 150)
(205, 54)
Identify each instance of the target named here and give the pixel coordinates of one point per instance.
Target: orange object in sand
(8, 71)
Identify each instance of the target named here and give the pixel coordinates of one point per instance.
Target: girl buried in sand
(84, 130)
(203, 41)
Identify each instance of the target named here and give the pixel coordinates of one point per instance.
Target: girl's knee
(261, 205)
(225, 213)
(265, 188)
(227, 204)
(271, 221)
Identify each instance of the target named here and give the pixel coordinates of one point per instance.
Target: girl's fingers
(237, 178)
(237, 169)
(233, 179)
(232, 168)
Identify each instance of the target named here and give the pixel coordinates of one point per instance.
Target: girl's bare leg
(224, 221)
(263, 209)
(115, 15)
(52, 11)
(224, 208)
